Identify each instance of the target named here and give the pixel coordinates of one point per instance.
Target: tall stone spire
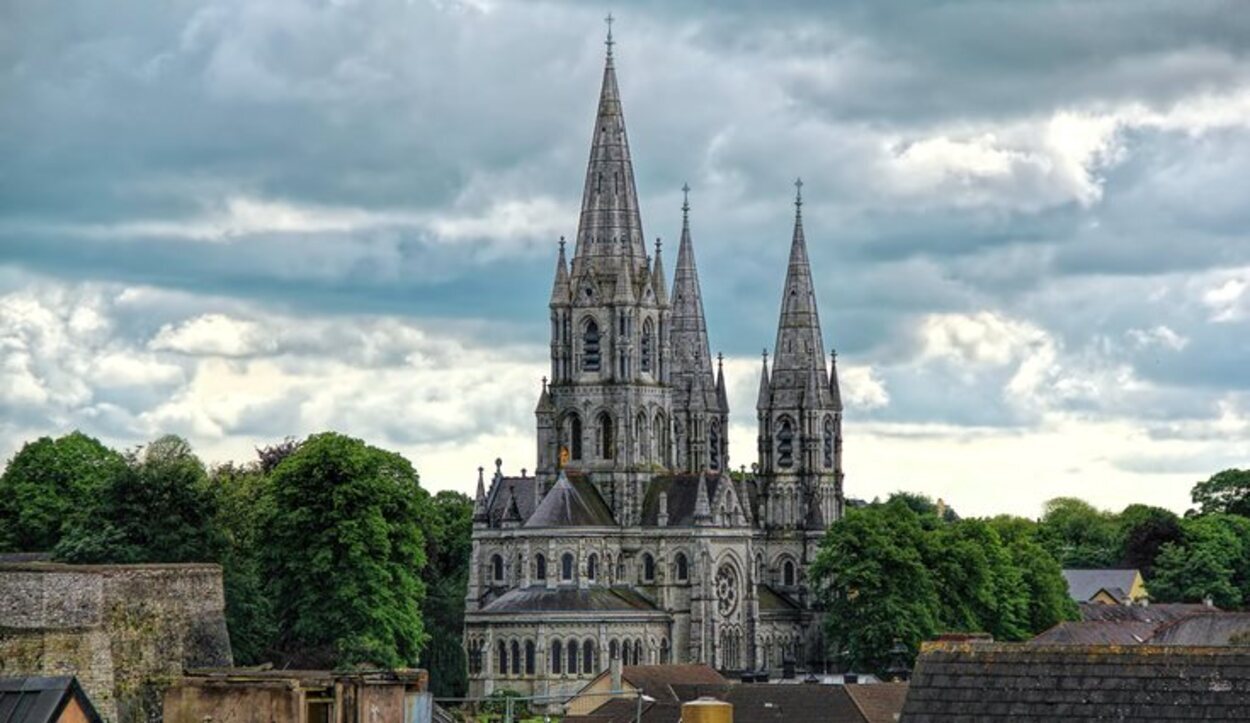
(610, 224)
(692, 362)
(800, 351)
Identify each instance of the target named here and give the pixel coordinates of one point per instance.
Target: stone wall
(126, 631)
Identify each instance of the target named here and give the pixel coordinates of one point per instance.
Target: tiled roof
(768, 703)
(1208, 628)
(1153, 613)
(682, 491)
(1028, 683)
(1097, 632)
(879, 702)
(596, 598)
(522, 489)
(1085, 584)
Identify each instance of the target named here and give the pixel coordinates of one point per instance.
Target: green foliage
(242, 506)
(48, 487)
(1212, 560)
(342, 555)
(897, 571)
(1227, 491)
(1143, 531)
(448, 548)
(159, 509)
(1079, 535)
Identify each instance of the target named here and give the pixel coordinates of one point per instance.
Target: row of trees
(904, 570)
(332, 553)
(900, 571)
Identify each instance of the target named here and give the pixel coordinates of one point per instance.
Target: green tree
(1227, 491)
(160, 509)
(242, 506)
(1143, 531)
(1079, 535)
(448, 548)
(1209, 562)
(873, 584)
(978, 584)
(49, 486)
(342, 555)
(1040, 575)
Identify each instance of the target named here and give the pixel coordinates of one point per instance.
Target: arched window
(614, 650)
(592, 565)
(572, 651)
(787, 574)
(591, 356)
(828, 441)
(713, 445)
(648, 346)
(664, 651)
(659, 436)
(588, 657)
(516, 658)
(557, 657)
(566, 566)
(529, 657)
(575, 437)
(540, 566)
(501, 658)
(638, 652)
(603, 435)
(641, 444)
(648, 567)
(683, 567)
(785, 443)
(496, 568)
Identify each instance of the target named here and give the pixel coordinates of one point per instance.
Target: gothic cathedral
(632, 538)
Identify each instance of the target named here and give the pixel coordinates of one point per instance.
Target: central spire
(800, 351)
(610, 224)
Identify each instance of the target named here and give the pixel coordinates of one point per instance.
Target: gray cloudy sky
(238, 221)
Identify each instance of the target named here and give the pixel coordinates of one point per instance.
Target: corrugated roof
(596, 598)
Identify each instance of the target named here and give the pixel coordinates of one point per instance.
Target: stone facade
(126, 631)
(632, 539)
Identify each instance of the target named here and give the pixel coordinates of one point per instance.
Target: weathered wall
(126, 631)
(276, 702)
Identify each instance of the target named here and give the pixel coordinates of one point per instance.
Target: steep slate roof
(1019, 682)
(1153, 613)
(571, 503)
(522, 489)
(1085, 584)
(1097, 632)
(1209, 628)
(879, 702)
(596, 598)
(682, 490)
(41, 699)
(770, 600)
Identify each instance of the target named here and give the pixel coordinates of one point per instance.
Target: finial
(657, 247)
(720, 359)
(834, 354)
(765, 356)
(798, 196)
(498, 466)
(561, 244)
(480, 470)
(609, 42)
(544, 384)
(685, 202)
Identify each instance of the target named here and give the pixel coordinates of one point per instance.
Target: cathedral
(632, 538)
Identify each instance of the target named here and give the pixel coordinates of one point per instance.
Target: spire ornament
(798, 197)
(609, 42)
(685, 203)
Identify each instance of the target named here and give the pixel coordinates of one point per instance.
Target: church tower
(800, 409)
(700, 407)
(606, 409)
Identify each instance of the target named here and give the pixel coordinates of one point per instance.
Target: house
(243, 695)
(1026, 683)
(1106, 586)
(45, 700)
(669, 684)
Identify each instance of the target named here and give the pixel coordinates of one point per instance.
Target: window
(785, 443)
(828, 441)
(787, 574)
(659, 436)
(496, 567)
(648, 346)
(540, 567)
(713, 445)
(614, 650)
(557, 657)
(640, 437)
(638, 652)
(529, 657)
(588, 657)
(317, 710)
(664, 651)
(575, 437)
(592, 565)
(501, 659)
(566, 566)
(648, 567)
(590, 347)
(572, 650)
(683, 567)
(516, 658)
(603, 434)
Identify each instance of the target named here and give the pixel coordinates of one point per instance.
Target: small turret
(624, 293)
(560, 295)
(702, 507)
(658, 282)
(835, 389)
(764, 400)
(481, 515)
(721, 396)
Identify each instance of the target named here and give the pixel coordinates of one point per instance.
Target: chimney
(615, 669)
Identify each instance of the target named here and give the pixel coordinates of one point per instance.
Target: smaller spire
(479, 501)
(835, 389)
(544, 401)
(764, 401)
(560, 288)
(702, 507)
(658, 282)
(624, 293)
(721, 395)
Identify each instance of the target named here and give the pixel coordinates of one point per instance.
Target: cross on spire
(609, 42)
(798, 195)
(685, 201)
